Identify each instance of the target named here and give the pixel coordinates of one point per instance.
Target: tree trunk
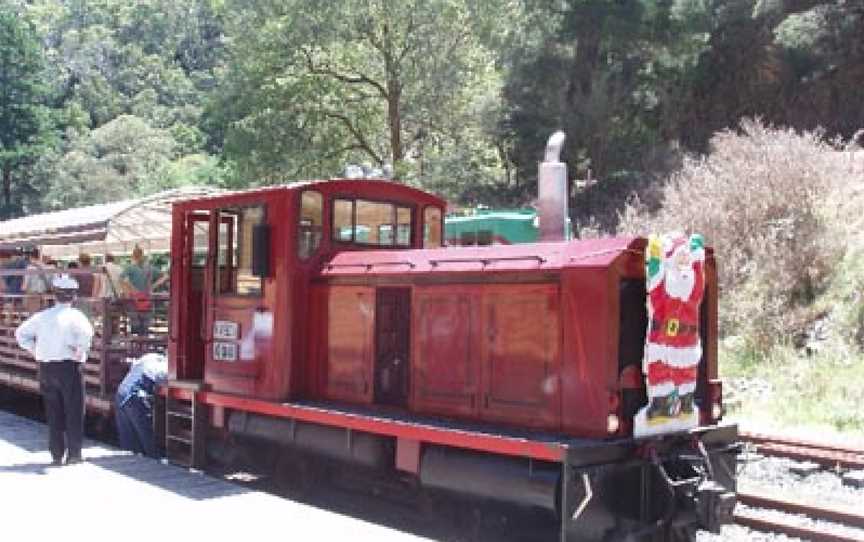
(394, 120)
(7, 189)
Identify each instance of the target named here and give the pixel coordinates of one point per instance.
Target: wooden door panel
(351, 317)
(521, 355)
(446, 372)
(392, 345)
(192, 315)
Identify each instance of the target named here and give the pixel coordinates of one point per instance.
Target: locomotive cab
(243, 261)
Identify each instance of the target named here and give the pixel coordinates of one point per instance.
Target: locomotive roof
(378, 188)
(589, 253)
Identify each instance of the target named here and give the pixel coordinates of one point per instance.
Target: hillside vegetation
(109, 99)
(114, 98)
(784, 212)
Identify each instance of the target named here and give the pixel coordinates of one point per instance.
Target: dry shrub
(766, 200)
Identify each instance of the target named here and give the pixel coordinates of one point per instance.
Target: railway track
(821, 524)
(798, 519)
(831, 456)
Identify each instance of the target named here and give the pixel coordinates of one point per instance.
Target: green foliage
(314, 86)
(611, 72)
(118, 160)
(458, 96)
(24, 117)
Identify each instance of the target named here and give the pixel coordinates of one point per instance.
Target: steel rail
(763, 438)
(827, 455)
(805, 533)
(836, 515)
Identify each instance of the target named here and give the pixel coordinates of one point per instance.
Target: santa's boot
(658, 407)
(687, 403)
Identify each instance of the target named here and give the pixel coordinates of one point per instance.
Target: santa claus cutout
(675, 282)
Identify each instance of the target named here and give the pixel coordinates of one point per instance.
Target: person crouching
(133, 404)
(59, 338)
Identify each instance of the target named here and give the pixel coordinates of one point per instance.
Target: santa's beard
(680, 282)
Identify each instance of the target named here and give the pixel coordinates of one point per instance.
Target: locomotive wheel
(297, 474)
(682, 534)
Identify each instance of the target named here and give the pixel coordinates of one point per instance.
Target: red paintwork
(408, 455)
(570, 311)
(347, 365)
(432, 434)
(271, 374)
(524, 336)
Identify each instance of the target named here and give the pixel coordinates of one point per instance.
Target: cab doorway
(392, 346)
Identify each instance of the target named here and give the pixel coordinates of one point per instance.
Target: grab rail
(369, 266)
(486, 261)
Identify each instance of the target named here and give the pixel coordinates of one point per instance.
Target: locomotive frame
(507, 372)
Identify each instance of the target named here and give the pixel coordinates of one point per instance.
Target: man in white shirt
(59, 338)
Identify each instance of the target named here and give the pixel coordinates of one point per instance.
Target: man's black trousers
(62, 386)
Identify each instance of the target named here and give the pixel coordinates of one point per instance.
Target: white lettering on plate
(223, 329)
(224, 351)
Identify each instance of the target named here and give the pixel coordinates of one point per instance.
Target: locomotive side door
(392, 346)
(190, 328)
(521, 357)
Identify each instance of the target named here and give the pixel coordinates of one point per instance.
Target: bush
(769, 201)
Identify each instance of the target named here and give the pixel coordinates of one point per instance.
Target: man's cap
(64, 282)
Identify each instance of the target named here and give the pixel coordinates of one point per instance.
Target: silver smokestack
(552, 192)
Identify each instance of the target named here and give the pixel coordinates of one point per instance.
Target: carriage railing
(114, 344)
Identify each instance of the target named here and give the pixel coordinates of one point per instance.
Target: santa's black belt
(673, 327)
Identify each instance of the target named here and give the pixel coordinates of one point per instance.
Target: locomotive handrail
(602, 253)
(369, 266)
(366, 266)
(398, 262)
(486, 261)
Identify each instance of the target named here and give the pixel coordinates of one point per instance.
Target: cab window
(310, 223)
(372, 223)
(234, 251)
(432, 227)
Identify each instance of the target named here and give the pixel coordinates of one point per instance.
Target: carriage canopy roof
(109, 227)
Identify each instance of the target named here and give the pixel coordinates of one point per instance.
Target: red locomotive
(327, 318)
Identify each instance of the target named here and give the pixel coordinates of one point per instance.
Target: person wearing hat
(59, 338)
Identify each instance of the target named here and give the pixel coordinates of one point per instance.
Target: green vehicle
(492, 227)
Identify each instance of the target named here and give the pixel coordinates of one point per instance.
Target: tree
(121, 159)
(24, 121)
(313, 85)
(611, 71)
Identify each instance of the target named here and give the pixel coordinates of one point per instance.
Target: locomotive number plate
(223, 329)
(225, 351)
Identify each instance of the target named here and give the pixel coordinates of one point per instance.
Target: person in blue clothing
(133, 404)
(15, 283)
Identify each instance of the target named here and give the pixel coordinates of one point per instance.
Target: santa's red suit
(673, 348)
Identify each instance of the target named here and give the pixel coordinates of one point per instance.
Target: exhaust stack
(552, 198)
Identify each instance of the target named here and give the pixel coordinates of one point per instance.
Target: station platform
(115, 495)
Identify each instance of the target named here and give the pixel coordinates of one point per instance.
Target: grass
(793, 392)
